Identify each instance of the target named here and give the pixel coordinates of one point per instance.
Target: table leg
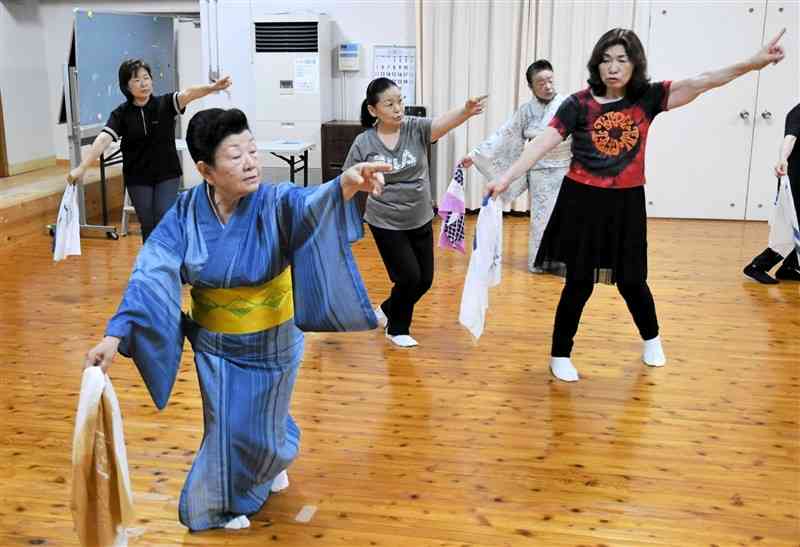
(305, 168)
(103, 189)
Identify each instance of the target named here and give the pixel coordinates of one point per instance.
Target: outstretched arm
(534, 151)
(199, 91)
(364, 177)
(503, 145)
(443, 123)
(683, 92)
(99, 146)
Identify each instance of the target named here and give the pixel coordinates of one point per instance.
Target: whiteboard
(103, 41)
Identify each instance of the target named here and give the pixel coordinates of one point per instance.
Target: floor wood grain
(453, 442)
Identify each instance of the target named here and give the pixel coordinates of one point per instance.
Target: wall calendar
(398, 63)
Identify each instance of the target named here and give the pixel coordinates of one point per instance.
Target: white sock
(563, 369)
(381, 317)
(653, 353)
(238, 523)
(402, 340)
(280, 482)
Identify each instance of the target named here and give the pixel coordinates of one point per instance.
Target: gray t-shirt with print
(406, 200)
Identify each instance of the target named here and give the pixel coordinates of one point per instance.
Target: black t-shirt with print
(609, 140)
(147, 136)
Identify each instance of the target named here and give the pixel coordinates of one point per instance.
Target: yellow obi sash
(243, 310)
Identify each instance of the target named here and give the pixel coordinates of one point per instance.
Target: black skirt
(596, 234)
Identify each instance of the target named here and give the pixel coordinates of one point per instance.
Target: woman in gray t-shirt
(400, 218)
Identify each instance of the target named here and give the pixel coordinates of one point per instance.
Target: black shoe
(788, 274)
(758, 275)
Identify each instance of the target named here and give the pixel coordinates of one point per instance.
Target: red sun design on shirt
(614, 133)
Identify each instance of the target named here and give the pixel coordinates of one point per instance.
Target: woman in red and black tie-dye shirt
(598, 229)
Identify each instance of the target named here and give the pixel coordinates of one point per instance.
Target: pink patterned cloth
(452, 212)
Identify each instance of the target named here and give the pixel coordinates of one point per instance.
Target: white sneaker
(381, 317)
(563, 369)
(402, 340)
(280, 482)
(238, 523)
(653, 353)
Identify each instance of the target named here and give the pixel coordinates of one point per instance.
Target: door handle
(767, 115)
(744, 114)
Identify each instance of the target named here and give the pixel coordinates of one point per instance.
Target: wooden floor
(451, 443)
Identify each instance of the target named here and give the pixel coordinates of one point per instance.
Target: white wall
(24, 84)
(35, 39)
(368, 22)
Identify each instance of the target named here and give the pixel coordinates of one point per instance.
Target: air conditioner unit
(292, 74)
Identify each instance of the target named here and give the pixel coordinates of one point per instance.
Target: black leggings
(575, 295)
(408, 257)
(152, 202)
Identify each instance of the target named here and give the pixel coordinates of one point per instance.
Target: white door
(777, 93)
(699, 155)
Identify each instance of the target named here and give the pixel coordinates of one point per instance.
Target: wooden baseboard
(29, 218)
(61, 162)
(3, 152)
(32, 165)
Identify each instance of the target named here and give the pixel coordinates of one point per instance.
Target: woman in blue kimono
(265, 262)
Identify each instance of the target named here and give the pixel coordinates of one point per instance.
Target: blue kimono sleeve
(319, 226)
(149, 321)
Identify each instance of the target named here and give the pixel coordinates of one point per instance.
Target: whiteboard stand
(75, 137)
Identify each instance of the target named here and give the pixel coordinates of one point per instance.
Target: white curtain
(473, 47)
(569, 29)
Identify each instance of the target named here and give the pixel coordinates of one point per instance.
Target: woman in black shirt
(788, 164)
(145, 123)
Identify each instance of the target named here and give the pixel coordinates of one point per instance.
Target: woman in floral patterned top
(496, 154)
